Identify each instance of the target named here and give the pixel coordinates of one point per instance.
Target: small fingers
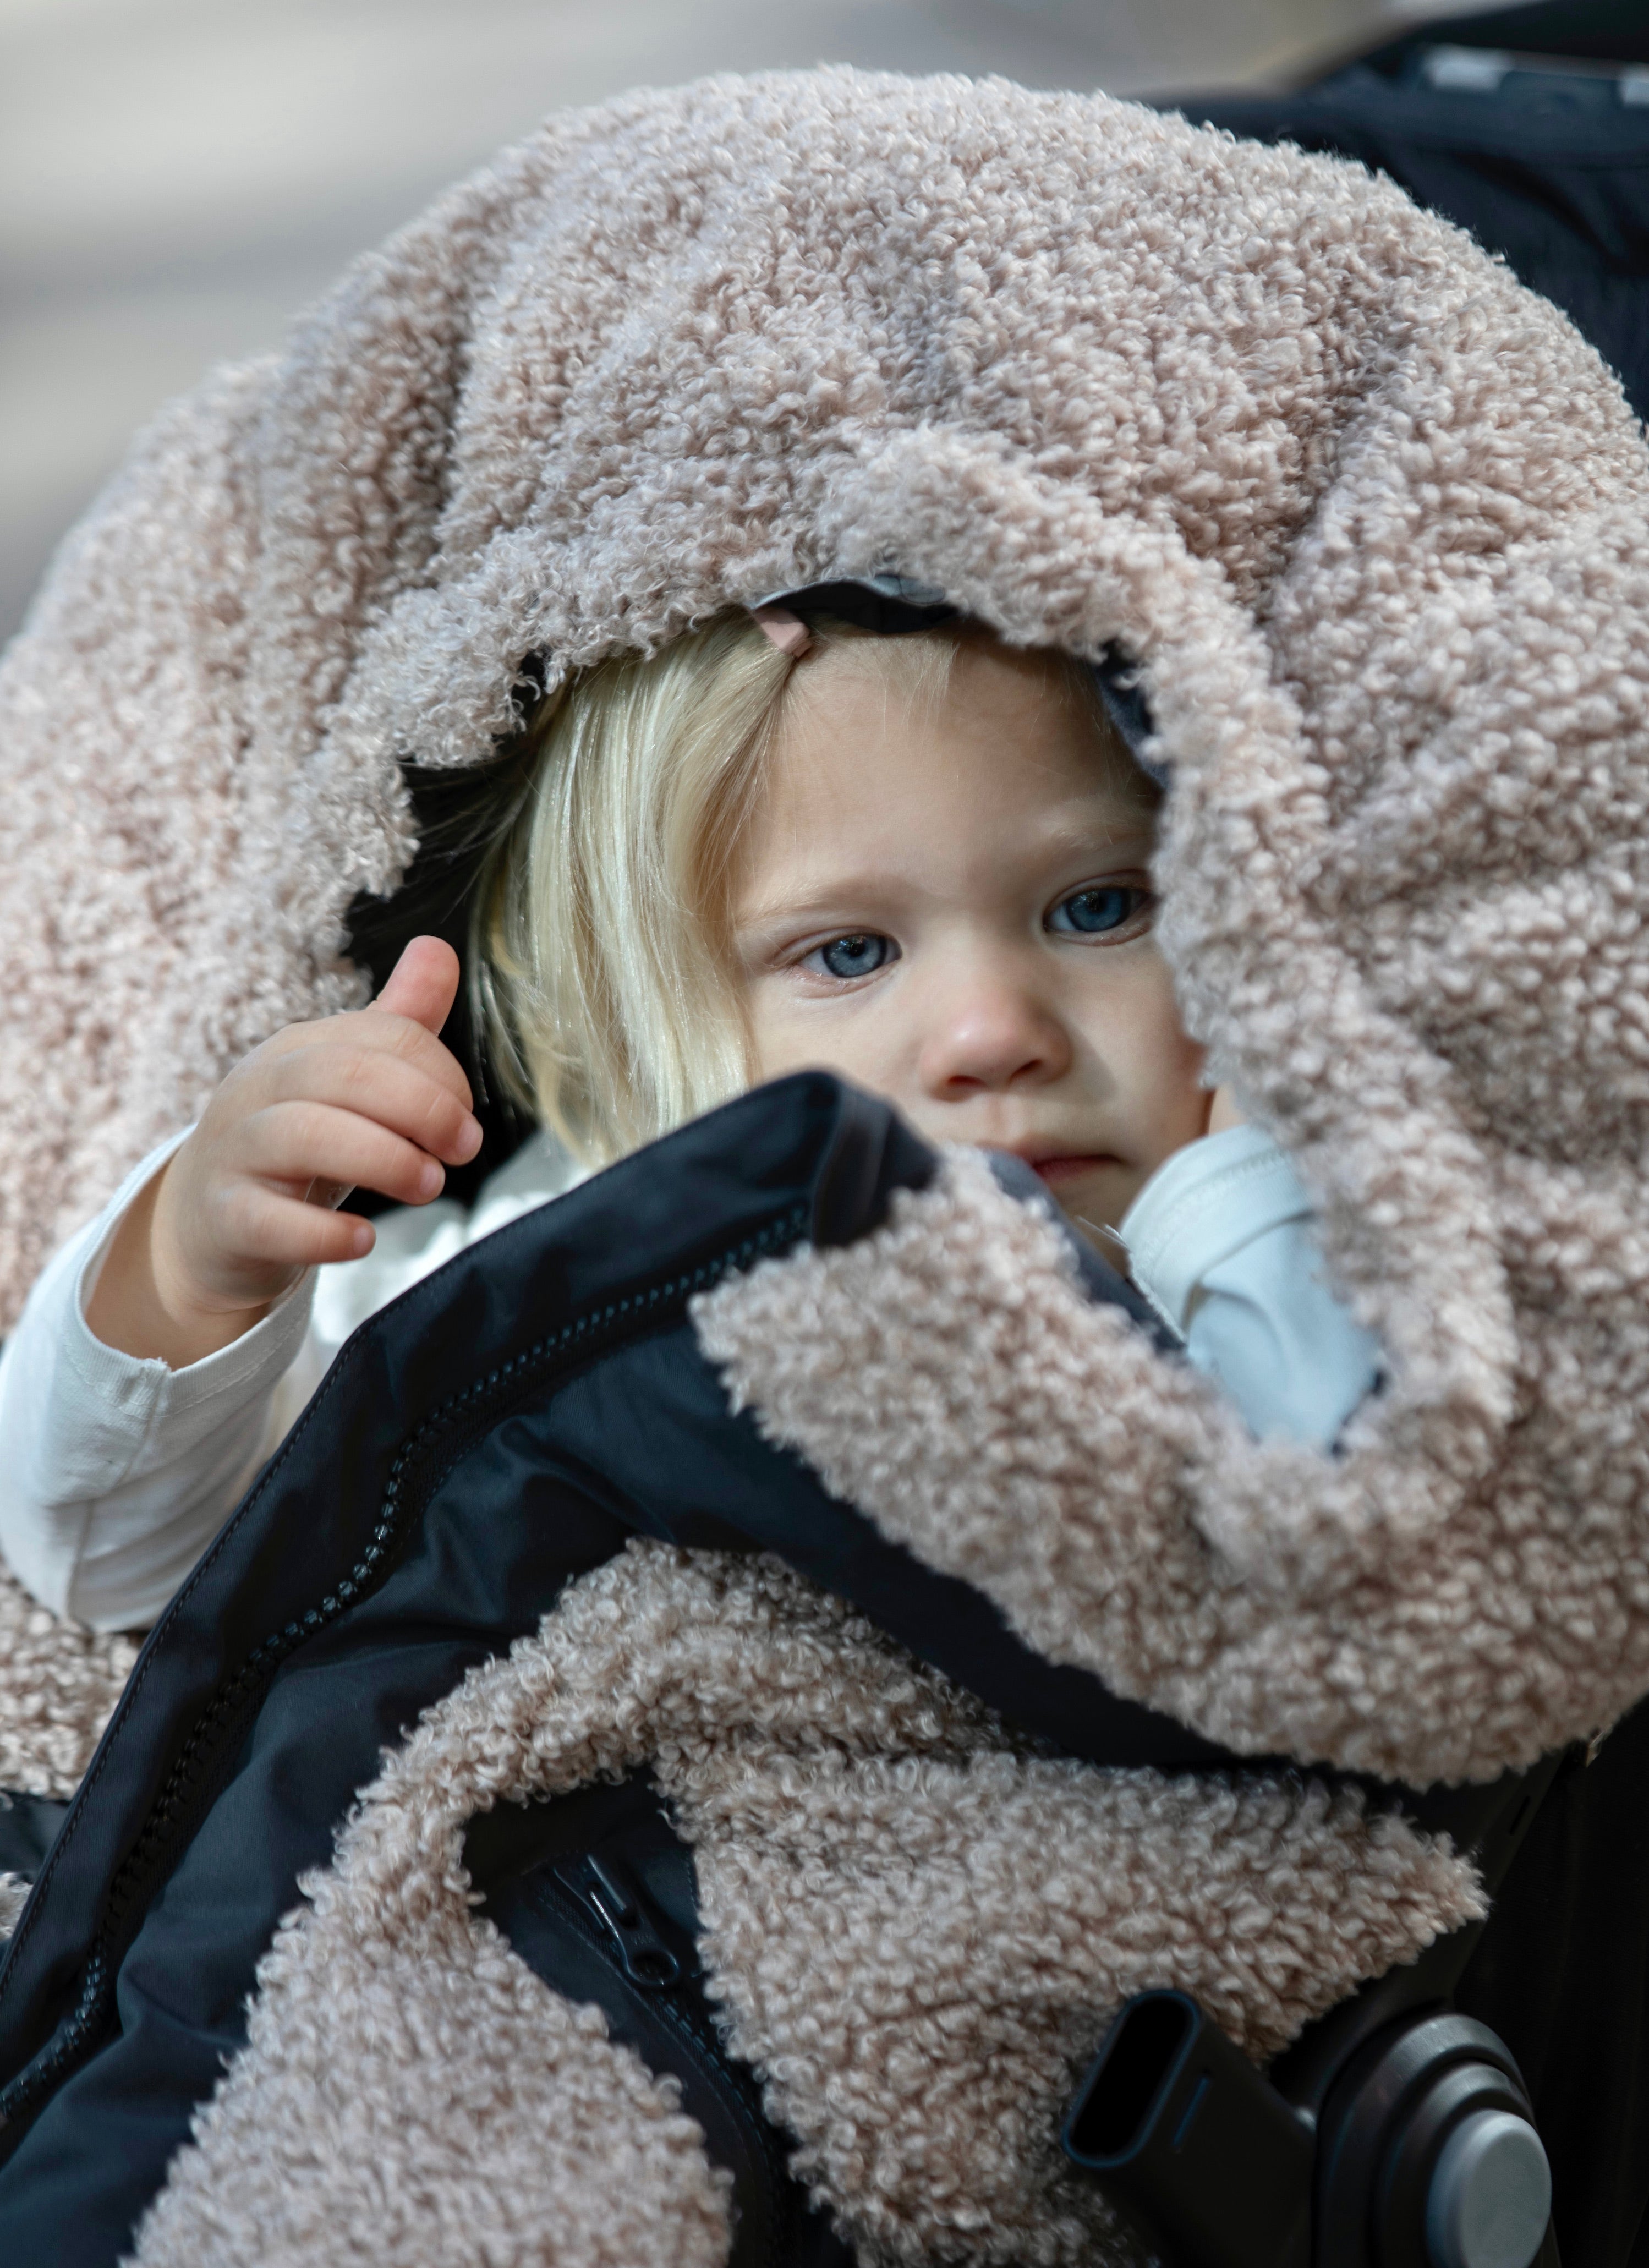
(367, 1033)
(401, 1036)
(284, 1232)
(422, 986)
(384, 1087)
(302, 1143)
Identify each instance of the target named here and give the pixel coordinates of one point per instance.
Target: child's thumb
(423, 984)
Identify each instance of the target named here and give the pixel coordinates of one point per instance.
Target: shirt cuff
(147, 1391)
(1201, 1205)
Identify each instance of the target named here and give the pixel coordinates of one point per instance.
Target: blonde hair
(602, 955)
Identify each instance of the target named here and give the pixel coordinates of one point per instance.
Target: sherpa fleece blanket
(1371, 520)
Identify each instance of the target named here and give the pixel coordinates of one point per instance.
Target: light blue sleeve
(1220, 1241)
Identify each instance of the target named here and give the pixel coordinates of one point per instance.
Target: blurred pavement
(177, 177)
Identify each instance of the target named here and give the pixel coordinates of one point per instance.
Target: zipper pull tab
(604, 1885)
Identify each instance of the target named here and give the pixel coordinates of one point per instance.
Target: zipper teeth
(396, 1511)
(741, 2095)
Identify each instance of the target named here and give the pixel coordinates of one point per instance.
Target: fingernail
(361, 1240)
(468, 1141)
(429, 1178)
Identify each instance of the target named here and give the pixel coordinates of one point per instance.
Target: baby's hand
(370, 1100)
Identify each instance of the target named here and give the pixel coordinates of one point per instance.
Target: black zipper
(599, 1898)
(418, 1468)
(603, 1886)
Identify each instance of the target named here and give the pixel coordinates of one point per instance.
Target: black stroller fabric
(502, 1429)
(497, 1431)
(492, 1458)
(1554, 177)
(1551, 172)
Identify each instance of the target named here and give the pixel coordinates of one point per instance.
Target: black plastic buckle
(1395, 2133)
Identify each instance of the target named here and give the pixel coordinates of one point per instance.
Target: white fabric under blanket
(119, 1472)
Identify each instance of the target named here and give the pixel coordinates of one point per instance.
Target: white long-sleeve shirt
(115, 1473)
(1220, 1241)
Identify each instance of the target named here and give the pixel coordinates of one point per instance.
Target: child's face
(951, 907)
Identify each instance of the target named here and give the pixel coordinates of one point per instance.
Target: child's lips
(1060, 1167)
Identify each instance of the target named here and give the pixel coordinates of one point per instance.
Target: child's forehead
(892, 605)
(871, 793)
(963, 690)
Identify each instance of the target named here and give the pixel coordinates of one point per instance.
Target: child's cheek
(790, 1032)
(1157, 1067)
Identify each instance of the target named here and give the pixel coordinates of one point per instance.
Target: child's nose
(987, 1038)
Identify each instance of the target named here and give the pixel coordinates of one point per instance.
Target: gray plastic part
(1490, 2194)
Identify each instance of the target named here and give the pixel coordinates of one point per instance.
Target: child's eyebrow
(1120, 826)
(822, 898)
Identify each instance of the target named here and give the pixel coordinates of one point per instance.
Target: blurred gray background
(178, 177)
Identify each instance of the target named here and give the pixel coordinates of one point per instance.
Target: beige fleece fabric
(1437, 1602)
(1371, 516)
(1372, 521)
(916, 1929)
(58, 1686)
(14, 1889)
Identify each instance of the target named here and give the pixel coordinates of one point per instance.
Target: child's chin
(1094, 1201)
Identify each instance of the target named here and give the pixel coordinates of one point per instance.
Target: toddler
(922, 862)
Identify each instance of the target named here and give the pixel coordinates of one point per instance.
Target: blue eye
(1101, 907)
(859, 953)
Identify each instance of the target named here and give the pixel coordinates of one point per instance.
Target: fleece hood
(1369, 521)
(1369, 517)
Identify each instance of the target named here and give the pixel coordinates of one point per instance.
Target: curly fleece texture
(1371, 516)
(1388, 1610)
(58, 1685)
(915, 1930)
(1372, 520)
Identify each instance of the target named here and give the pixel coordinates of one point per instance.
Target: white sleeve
(1219, 1241)
(116, 1472)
